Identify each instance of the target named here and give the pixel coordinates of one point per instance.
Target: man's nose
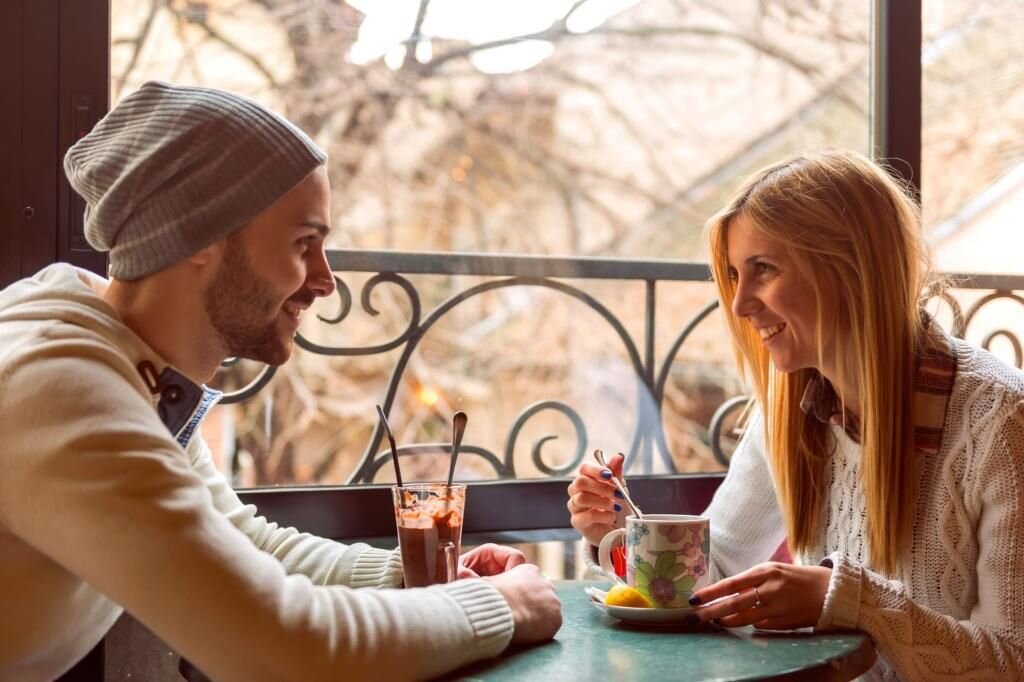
(320, 279)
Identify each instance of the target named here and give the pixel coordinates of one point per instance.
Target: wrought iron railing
(648, 441)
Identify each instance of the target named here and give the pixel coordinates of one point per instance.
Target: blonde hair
(853, 230)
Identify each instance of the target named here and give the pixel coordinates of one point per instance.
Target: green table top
(594, 646)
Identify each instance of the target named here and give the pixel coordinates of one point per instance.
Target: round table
(595, 646)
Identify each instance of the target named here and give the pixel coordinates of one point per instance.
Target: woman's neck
(849, 396)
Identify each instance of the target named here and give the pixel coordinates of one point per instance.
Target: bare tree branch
(557, 29)
(414, 38)
(758, 44)
(219, 37)
(138, 41)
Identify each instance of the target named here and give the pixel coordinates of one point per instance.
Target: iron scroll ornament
(648, 428)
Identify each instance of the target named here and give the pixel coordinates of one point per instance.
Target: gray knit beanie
(172, 169)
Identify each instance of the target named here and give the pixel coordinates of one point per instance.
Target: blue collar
(182, 404)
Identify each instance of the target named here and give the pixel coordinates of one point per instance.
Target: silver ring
(757, 604)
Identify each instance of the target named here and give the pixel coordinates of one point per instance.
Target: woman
(888, 453)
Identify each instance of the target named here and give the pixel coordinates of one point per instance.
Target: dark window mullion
(896, 87)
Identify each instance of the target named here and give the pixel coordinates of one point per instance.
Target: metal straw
(394, 448)
(599, 456)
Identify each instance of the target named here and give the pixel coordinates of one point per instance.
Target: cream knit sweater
(955, 611)
(101, 509)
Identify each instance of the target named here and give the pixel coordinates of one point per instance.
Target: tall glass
(429, 521)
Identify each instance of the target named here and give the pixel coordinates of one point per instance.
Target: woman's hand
(594, 501)
(489, 559)
(770, 596)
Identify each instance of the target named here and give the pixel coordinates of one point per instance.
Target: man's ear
(210, 255)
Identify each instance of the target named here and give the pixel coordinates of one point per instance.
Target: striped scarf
(933, 384)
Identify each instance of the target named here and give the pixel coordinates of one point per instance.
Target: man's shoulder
(53, 355)
(56, 321)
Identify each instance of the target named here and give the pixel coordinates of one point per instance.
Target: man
(214, 211)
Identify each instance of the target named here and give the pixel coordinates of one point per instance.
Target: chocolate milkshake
(429, 521)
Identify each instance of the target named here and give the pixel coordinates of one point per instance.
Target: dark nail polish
(693, 619)
(618, 494)
(618, 507)
(606, 474)
(694, 600)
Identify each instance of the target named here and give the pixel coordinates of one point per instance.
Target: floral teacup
(666, 556)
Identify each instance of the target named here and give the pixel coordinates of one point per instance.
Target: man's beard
(244, 311)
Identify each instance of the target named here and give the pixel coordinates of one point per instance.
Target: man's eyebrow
(319, 227)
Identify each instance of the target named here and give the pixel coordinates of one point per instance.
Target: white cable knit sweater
(956, 609)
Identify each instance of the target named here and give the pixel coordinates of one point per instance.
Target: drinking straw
(394, 448)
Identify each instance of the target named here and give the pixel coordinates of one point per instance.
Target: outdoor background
(609, 128)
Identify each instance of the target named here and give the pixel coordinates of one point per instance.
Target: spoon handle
(599, 456)
(459, 420)
(625, 496)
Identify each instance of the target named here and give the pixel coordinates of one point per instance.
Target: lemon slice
(624, 595)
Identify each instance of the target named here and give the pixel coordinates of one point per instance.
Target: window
(973, 156)
(973, 127)
(605, 128)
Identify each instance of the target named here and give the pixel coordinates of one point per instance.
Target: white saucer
(632, 614)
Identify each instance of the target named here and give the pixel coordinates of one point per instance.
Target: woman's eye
(733, 275)
(764, 268)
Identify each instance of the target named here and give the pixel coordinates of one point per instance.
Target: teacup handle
(604, 552)
(451, 561)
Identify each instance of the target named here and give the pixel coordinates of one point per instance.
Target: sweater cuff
(488, 613)
(841, 609)
(377, 568)
(591, 568)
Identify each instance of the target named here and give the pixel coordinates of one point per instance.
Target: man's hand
(489, 559)
(771, 596)
(536, 610)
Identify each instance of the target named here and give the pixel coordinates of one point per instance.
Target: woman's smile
(769, 332)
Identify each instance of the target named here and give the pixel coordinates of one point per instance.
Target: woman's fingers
(583, 501)
(765, 619)
(746, 614)
(752, 577)
(584, 518)
(593, 499)
(592, 524)
(596, 472)
(780, 623)
(596, 517)
(770, 596)
(742, 599)
(585, 484)
(727, 607)
(615, 464)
